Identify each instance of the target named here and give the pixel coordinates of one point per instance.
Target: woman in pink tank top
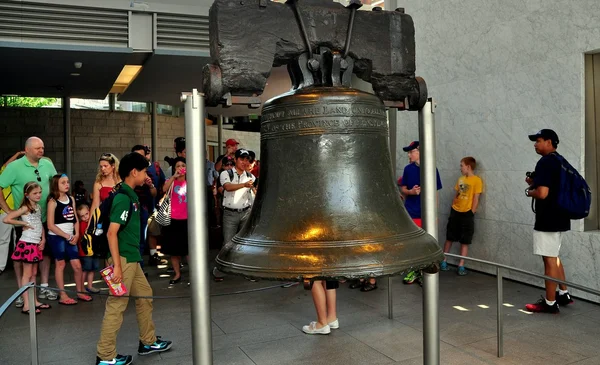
(106, 179)
(176, 238)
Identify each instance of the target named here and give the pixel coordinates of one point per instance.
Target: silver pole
(428, 170)
(393, 125)
(431, 320)
(33, 325)
(198, 231)
(390, 299)
(154, 131)
(220, 136)
(67, 135)
(499, 315)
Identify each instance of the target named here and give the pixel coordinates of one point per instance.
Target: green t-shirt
(20, 172)
(129, 235)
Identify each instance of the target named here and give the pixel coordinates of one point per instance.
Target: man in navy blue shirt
(550, 220)
(411, 189)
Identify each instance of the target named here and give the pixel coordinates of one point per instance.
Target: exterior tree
(27, 102)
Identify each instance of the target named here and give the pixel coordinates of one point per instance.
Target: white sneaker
(334, 325)
(19, 303)
(312, 329)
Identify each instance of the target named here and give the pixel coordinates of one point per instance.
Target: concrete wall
(97, 132)
(500, 70)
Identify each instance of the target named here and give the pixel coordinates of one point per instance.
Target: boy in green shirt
(124, 244)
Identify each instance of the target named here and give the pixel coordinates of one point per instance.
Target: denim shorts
(90, 263)
(62, 249)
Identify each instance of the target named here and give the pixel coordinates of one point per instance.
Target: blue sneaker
(158, 346)
(119, 360)
(462, 271)
(444, 266)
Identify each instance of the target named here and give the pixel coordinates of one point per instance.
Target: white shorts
(546, 243)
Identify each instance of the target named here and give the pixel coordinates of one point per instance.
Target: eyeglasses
(37, 173)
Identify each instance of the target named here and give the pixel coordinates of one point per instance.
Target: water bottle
(99, 229)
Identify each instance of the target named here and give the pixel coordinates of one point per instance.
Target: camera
(530, 174)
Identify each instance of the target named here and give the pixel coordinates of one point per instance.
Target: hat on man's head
(411, 146)
(242, 153)
(545, 134)
(231, 142)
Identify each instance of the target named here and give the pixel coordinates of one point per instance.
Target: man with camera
(550, 220)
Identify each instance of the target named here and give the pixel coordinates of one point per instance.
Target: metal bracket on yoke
(252, 101)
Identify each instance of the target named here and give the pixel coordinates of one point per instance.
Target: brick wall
(95, 132)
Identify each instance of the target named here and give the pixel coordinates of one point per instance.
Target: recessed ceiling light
(74, 74)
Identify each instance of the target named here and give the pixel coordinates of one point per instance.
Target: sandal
(368, 287)
(69, 301)
(43, 306)
(92, 290)
(37, 311)
(84, 298)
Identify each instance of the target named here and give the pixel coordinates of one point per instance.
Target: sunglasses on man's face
(37, 173)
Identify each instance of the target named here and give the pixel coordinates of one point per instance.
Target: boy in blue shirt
(411, 189)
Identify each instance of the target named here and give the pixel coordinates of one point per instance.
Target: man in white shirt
(237, 199)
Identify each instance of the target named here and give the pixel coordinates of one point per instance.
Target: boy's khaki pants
(137, 285)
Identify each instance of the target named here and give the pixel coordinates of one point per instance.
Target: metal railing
(32, 317)
(500, 294)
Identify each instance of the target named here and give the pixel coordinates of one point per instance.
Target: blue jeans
(62, 249)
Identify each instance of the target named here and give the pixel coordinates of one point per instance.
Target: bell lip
(339, 273)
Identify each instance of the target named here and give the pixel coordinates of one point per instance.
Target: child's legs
(320, 301)
(89, 277)
(143, 307)
(73, 254)
(18, 266)
(78, 273)
(59, 276)
(464, 251)
(25, 279)
(447, 247)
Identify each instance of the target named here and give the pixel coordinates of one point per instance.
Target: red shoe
(542, 307)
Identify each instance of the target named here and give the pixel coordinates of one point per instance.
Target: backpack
(574, 194)
(94, 241)
(230, 172)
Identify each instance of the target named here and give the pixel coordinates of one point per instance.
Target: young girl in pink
(176, 233)
(31, 244)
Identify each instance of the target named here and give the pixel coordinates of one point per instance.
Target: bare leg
(45, 269)
(90, 279)
(27, 272)
(464, 250)
(152, 242)
(76, 265)
(561, 274)
(175, 260)
(18, 265)
(59, 276)
(447, 247)
(551, 270)
(320, 301)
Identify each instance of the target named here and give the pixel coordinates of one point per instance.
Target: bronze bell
(327, 204)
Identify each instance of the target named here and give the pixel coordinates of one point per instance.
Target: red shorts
(418, 222)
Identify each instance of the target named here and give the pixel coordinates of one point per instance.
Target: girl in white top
(31, 243)
(63, 235)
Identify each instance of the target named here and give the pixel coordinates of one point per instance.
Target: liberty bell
(327, 205)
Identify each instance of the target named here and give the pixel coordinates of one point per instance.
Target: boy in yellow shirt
(461, 223)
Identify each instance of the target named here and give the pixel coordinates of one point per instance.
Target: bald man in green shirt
(32, 167)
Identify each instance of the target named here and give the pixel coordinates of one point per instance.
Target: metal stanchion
(431, 320)
(499, 316)
(198, 230)
(390, 299)
(33, 325)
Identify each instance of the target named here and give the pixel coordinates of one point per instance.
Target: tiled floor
(263, 327)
